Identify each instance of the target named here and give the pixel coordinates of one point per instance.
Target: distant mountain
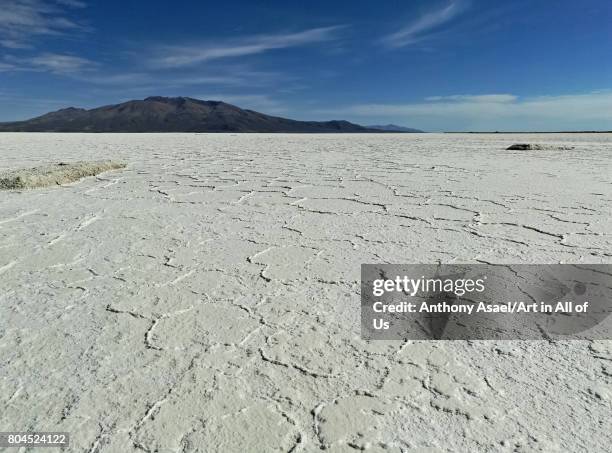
(180, 114)
(394, 128)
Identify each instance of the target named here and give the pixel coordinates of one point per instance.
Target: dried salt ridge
(536, 147)
(206, 298)
(56, 174)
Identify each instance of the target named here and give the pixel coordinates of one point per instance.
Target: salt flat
(206, 297)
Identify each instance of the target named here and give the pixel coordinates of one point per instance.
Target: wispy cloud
(21, 20)
(61, 64)
(230, 75)
(124, 80)
(221, 76)
(186, 55)
(474, 98)
(48, 62)
(582, 111)
(73, 3)
(421, 29)
(13, 44)
(4, 67)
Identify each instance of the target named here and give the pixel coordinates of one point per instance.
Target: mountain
(179, 114)
(394, 128)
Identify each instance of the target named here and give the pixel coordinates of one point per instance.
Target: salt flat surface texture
(206, 297)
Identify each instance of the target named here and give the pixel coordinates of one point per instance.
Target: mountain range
(394, 128)
(172, 114)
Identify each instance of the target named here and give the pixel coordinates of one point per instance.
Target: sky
(436, 65)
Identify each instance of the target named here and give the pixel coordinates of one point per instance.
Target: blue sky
(431, 64)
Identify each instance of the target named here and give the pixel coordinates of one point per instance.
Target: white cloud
(173, 56)
(4, 67)
(61, 63)
(234, 75)
(587, 111)
(13, 44)
(226, 76)
(72, 3)
(474, 98)
(48, 62)
(418, 30)
(123, 80)
(20, 20)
